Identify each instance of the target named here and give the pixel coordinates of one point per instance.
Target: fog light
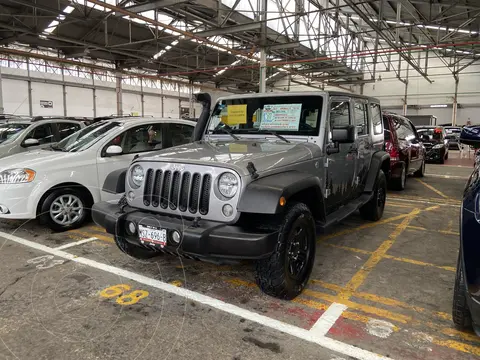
(4, 209)
(227, 210)
(131, 228)
(130, 196)
(176, 236)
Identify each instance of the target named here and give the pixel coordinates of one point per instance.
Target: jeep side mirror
(206, 100)
(470, 135)
(343, 134)
(30, 142)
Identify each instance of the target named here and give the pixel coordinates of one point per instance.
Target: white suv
(60, 184)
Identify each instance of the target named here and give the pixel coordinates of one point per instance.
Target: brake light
(392, 150)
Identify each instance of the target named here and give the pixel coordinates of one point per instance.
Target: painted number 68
(127, 298)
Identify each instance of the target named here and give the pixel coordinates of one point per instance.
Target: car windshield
(10, 131)
(435, 134)
(453, 130)
(277, 115)
(85, 138)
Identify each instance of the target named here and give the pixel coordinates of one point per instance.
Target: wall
(74, 96)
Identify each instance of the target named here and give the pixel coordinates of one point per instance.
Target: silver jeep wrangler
(265, 172)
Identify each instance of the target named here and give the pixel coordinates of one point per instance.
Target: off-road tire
(373, 210)
(134, 251)
(272, 275)
(420, 172)
(399, 183)
(460, 312)
(44, 215)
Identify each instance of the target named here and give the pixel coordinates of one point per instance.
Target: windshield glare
(284, 115)
(9, 132)
(87, 137)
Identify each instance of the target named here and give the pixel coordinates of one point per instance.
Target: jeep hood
(265, 155)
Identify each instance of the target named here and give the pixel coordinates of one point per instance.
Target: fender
(379, 159)
(115, 182)
(263, 195)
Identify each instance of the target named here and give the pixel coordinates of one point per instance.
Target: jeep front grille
(175, 189)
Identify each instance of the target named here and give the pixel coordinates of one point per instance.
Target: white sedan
(59, 185)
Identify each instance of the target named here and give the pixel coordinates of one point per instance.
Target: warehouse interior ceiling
(227, 43)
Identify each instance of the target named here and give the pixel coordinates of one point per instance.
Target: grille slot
(182, 190)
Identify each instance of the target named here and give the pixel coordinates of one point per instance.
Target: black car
(466, 300)
(435, 142)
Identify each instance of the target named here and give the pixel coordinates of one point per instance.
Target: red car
(407, 153)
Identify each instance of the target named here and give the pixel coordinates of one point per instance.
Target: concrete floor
(393, 280)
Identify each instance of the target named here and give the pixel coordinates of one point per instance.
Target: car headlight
(137, 175)
(438, 146)
(17, 176)
(228, 185)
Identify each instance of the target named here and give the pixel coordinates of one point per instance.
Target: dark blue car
(466, 299)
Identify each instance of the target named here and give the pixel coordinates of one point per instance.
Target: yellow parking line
(399, 205)
(90, 234)
(456, 345)
(435, 190)
(421, 263)
(464, 335)
(358, 279)
(419, 228)
(423, 200)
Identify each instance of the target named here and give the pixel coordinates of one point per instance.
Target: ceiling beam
(229, 30)
(152, 5)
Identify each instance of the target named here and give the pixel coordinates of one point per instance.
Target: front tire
(65, 209)
(373, 210)
(286, 272)
(134, 251)
(460, 312)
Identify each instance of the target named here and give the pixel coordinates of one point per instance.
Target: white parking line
(328, 319)
(326, 342)
(76, 243)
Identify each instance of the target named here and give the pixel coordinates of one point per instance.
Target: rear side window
(67, 129)
(376, 118)
(361, 118)
(386, 127)
(180, 134)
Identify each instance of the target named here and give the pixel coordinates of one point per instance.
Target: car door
(44, 133)
(341, 165)
(364, 144)
(416, 156)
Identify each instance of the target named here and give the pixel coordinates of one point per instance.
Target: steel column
(2, 109)
(118, 91)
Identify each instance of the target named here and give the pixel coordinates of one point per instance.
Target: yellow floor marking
(399, 205)
(464, 335)
(435, 190)
(421, 199)
(360, 251)
(455, 345)
(419, 228)
(420, 263)
(364, 308)
(177, 283)
(358, 279)
(100, 237)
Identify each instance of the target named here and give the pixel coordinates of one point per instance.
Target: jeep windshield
(85, 138)
(271, 115)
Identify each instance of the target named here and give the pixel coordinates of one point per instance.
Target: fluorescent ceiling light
(439, 106)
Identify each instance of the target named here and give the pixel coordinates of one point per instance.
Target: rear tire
(286, 272)
(134, 251)
(399, 183)
(420, 172)
(373, 210)
(460, 312)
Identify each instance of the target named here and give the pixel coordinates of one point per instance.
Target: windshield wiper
(56, 148)
(226, 131)
(271, 133)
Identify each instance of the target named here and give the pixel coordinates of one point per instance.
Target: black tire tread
(370, 210)
(270, 273)
(460, 312)
(420, 172)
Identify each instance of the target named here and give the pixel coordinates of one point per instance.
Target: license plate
(152, 235)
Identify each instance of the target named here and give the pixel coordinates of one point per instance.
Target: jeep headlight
(228, 185)
(137, 175)
(438, 146)
(17, 176)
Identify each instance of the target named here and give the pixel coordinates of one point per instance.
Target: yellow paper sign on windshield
(237, 114)
(237, 148)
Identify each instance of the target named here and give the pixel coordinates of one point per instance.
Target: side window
(410, 133)
(43, 133)
(67, 129)
(361, 119)
(376, 118)
(339, 113)
(180, 134)
(141, 138)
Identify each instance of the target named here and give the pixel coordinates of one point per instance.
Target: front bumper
(203, 240)
(17, 198)
(435, 154)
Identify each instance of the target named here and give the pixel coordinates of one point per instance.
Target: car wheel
(399, 183)
(420, 172)
(460, 312)
(286, 272)
(373, 210)
(64, 209)
(134, 251)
